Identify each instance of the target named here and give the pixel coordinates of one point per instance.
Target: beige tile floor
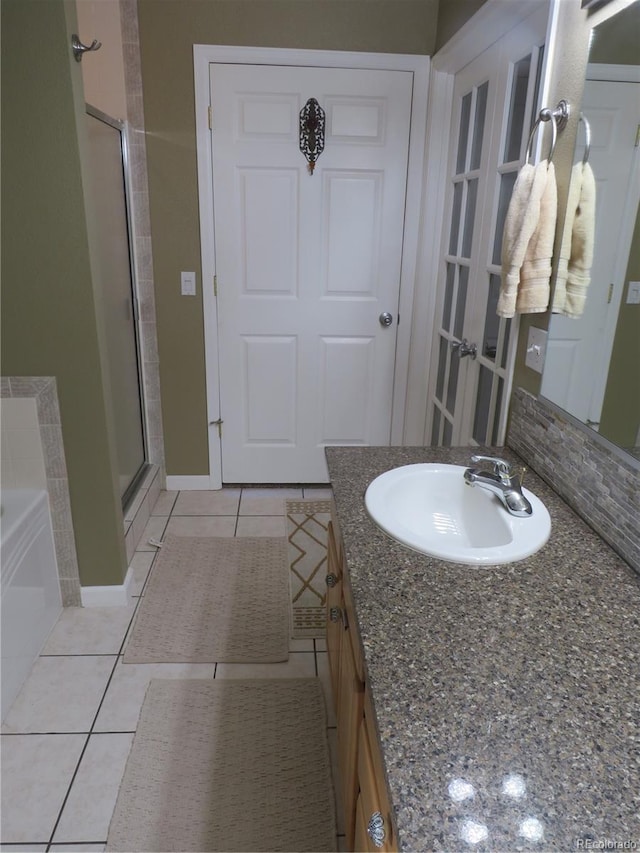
(66, 739)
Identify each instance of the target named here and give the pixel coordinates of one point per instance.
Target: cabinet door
(361, 841)
(373, 796)
(335, 627)
(349, 713)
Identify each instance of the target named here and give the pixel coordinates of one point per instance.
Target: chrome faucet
(500, 480)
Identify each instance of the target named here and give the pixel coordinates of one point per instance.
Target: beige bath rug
(228, 765)
(307, 530)
(212, 599)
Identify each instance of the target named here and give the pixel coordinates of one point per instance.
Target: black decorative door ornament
(312, 120)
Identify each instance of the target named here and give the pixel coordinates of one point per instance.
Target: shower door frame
(123, 129)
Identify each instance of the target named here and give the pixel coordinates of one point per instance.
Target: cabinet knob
(335, 614)
(331, 580)
(375, 829)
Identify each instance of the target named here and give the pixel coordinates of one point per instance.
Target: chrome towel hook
(80, 49)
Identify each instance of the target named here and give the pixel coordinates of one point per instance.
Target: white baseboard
(108, 596)
(196, 482)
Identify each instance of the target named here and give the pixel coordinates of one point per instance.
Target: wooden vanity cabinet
(372, 803)
(359, 761)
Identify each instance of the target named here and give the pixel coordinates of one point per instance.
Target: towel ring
(587, 139)
(545, 115)
(558, 119)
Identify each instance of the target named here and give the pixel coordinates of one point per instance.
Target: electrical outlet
(633, 293)
(188, 283)
(536, 349)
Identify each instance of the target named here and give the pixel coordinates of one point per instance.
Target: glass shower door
(107, 144)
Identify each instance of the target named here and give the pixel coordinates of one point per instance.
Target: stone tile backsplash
(600, 485)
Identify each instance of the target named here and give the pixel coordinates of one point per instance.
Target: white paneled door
(494, 105)
(306, 264)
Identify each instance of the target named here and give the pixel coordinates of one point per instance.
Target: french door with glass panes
(494, 106)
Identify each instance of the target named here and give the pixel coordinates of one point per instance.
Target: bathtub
(30, 597)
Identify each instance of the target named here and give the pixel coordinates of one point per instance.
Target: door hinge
(217, 423)
(210, 117)
(610, 294)
(638, 136)
(215, 285)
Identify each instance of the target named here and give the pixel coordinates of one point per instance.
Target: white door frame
(203, 55)
(490, 23)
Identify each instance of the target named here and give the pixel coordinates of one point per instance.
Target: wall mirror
(592, 365)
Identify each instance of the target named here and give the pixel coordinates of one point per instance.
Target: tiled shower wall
(602, 486)
(142, 233)
(43, 393)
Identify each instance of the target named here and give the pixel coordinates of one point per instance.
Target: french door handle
(464, 348)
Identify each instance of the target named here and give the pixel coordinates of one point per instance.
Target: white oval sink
(430, 508)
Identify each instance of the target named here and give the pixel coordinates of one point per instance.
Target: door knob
(463, 348)
(385, 318)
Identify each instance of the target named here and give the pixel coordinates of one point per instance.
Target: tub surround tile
(55, 463)
(36, 773)
(478, 673)
(89, 631)
(29, 386)
(48, 406)
(70, 592)
(61, 694)
(61, 518)
(44, 391)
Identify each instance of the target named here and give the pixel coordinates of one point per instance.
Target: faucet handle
(501, 467)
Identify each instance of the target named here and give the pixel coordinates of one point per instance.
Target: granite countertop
(507, 698)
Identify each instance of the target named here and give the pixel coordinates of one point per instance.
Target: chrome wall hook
(80, 49)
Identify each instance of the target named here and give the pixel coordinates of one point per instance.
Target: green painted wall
(452, 14)
(168, 29)
(49, 325)
(621, 408)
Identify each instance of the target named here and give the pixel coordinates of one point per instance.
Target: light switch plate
(188, 283)
(633, 293)
(536, 349)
